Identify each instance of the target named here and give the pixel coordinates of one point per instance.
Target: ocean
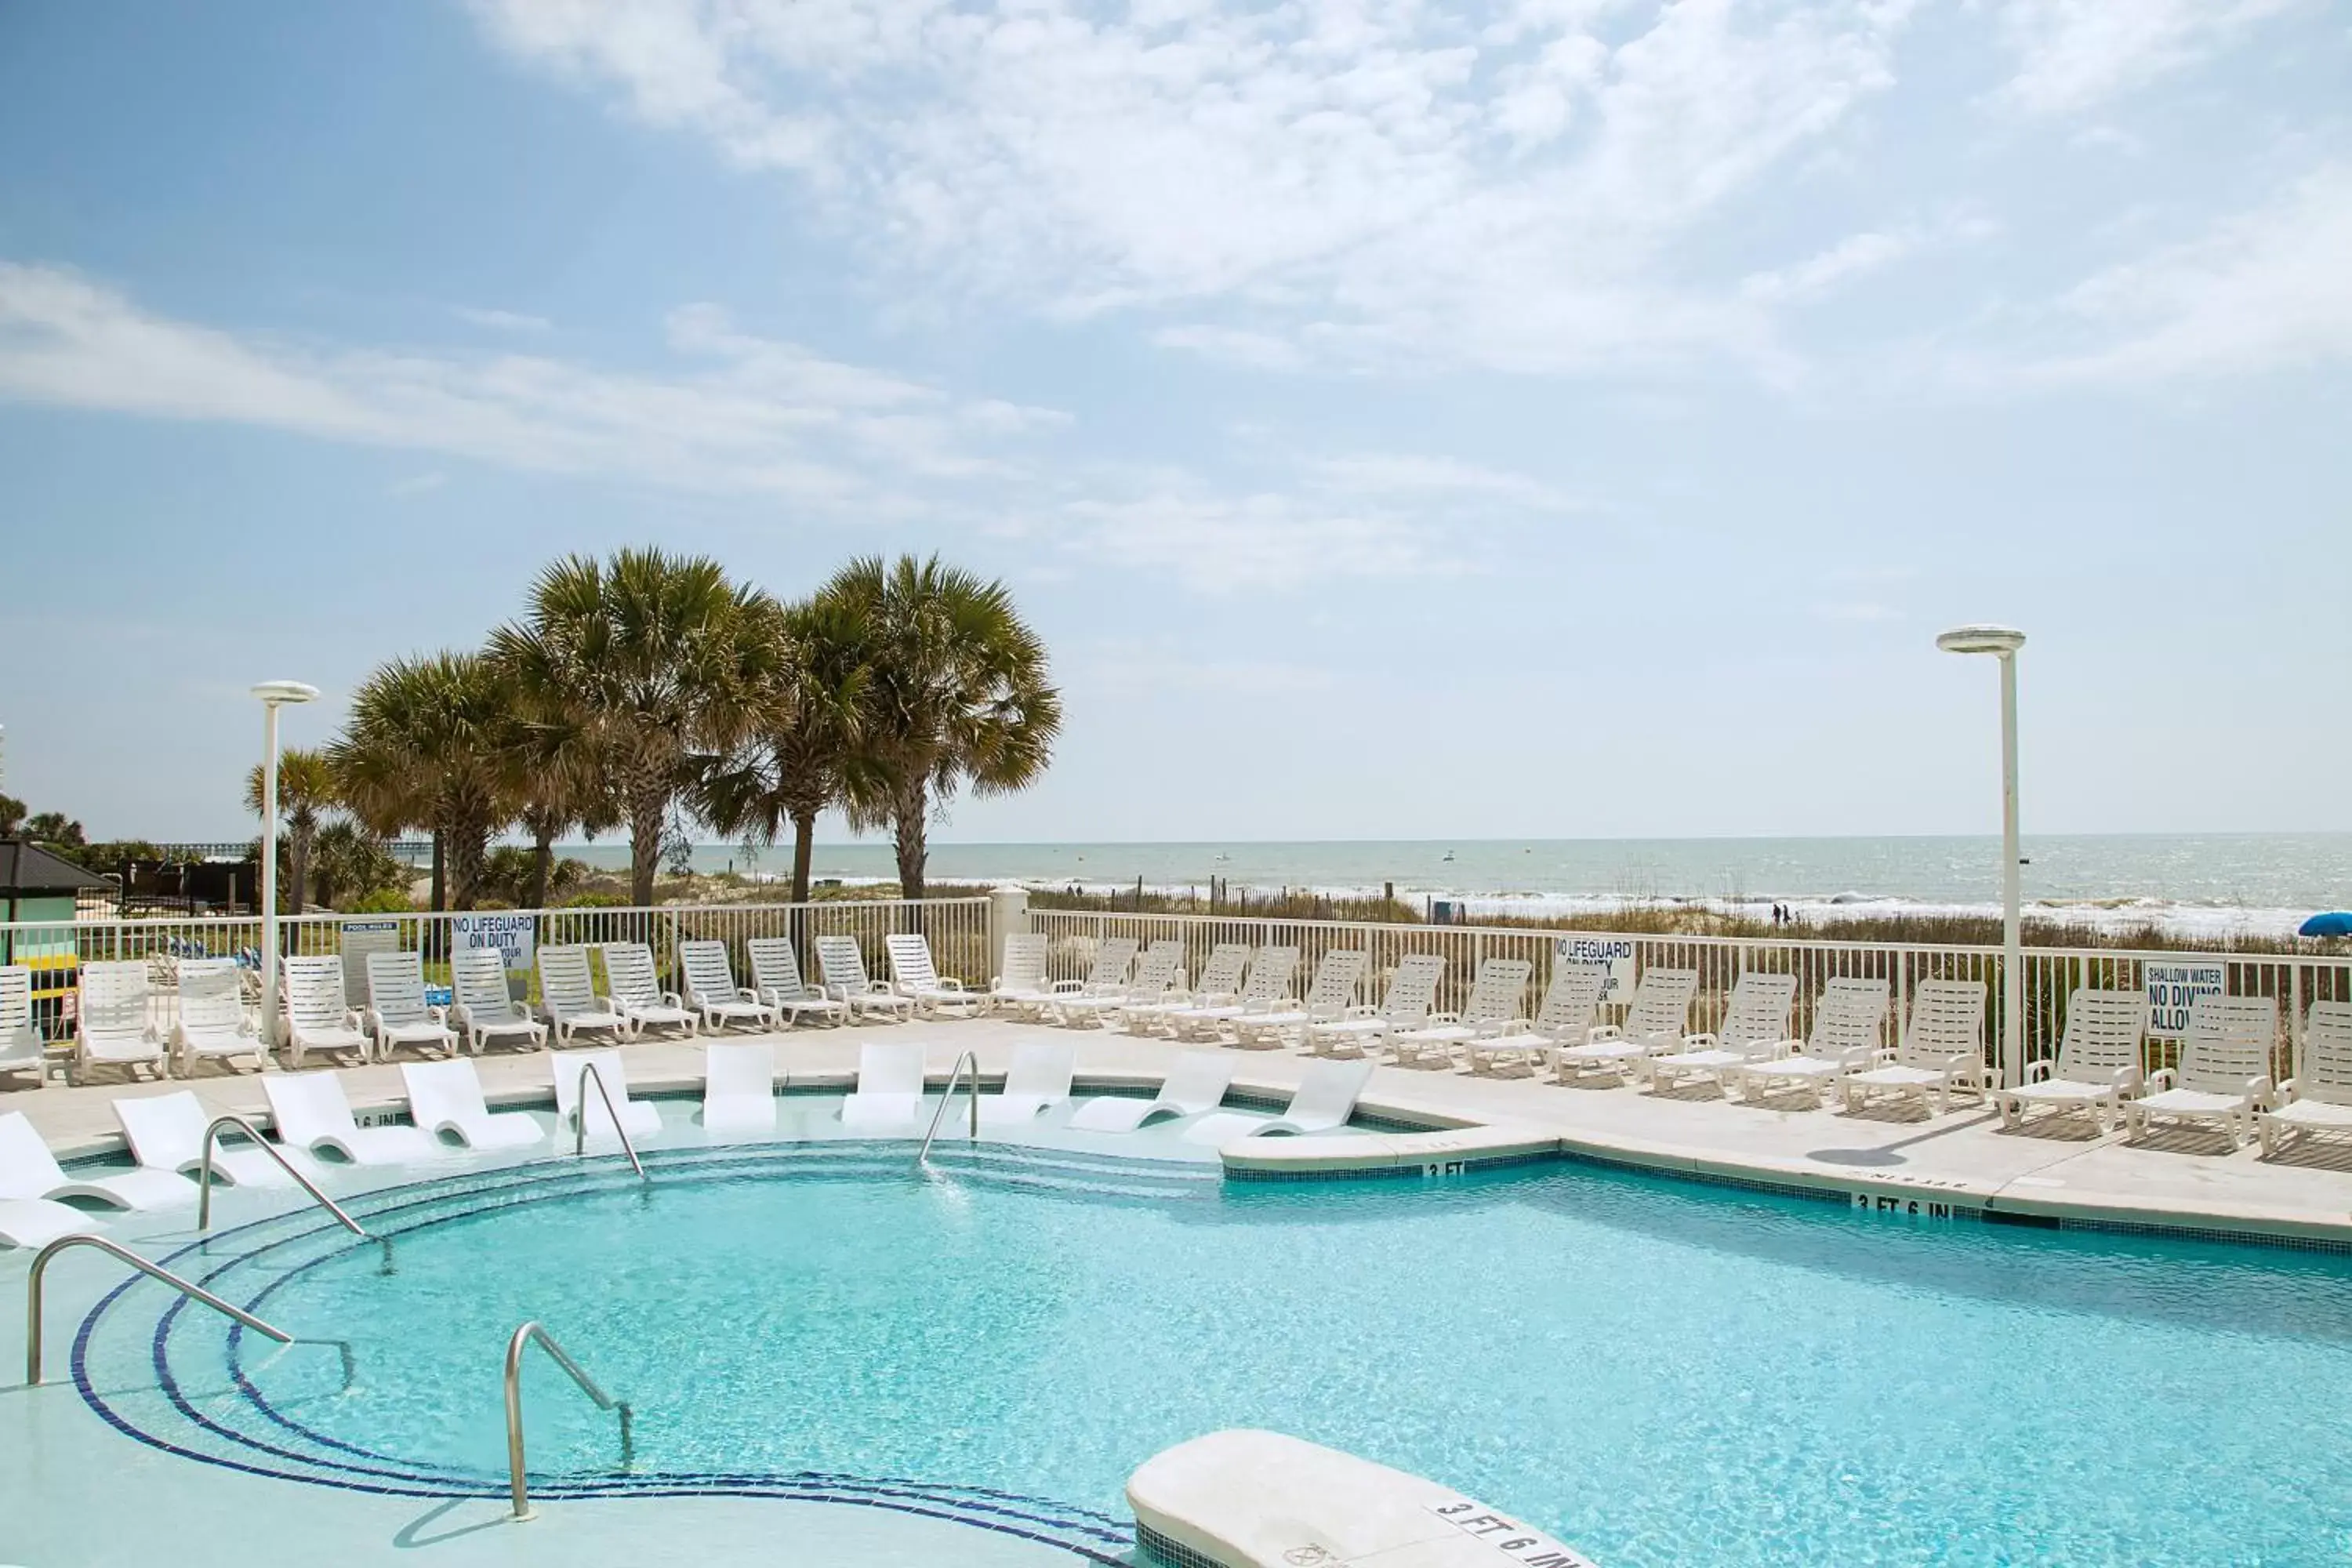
(2194, 884)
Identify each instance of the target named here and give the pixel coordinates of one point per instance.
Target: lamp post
(274, 695)
(2003, 642)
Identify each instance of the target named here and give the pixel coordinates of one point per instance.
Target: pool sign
(2173, 987)
(515, 935)
(359, 938)
(1617, 952)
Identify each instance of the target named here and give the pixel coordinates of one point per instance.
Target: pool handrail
(923, 1155)
(523, 1337)
(152, 1271)
(205, 1174)
(579, 1122)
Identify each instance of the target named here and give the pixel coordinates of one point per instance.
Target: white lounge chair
(318, 1015)
(36, 1222)
(2317, 1101)
(1571, 1002)
(1941, 1051)
(2225, 1076)
(397, 1013)
(211, 1023)
(1022, 987)
(1654, 1026)
(1220, 979)
(1196, 1083)
(776, 981)
(1754, 1025)
(635, 992)
(112, 1027)
(1849, 1021)
(1105, 989)
(842, 965)
(166, 1133)
(28, 1171)
(1038, 1080)
(739, 1086)
(311, 1113)
(1265, 989)
(446, 1097)
(1326, 1099)
(567, 989)
(482, 1008)
(1328, 999)
(914, 976)
(1359, 1031)
(711, 992)
(1498, 1001)
(576, 1099)
(22, 1050)
(890, 1092)
(2099, 1062)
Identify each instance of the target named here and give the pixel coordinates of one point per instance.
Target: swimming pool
(1660, 1373)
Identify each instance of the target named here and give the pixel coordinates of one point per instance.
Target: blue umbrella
(2334, 923)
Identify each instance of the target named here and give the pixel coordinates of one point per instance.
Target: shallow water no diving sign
(1513, 1541)
(2173, 987)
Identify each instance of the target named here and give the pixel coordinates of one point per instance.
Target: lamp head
(277, 693)
(1981, 639)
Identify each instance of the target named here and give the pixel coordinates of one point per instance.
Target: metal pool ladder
(589, 1073)
(523, 1337)
(970, 1060)
(204, 1180)
(195, 1292)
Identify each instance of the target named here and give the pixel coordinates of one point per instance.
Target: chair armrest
(2287, 1092)
(2258, 1089)
(1706, 1041)
(2036, 1071)
(745, 993)
(1437, 1019)
(2162, 1079)
(1599, 1032)
(672, 998)
(440, 1015)
(351, 1018)
(1361, 1010)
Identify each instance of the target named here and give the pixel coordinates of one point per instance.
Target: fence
(2051, 974)
(958, 930)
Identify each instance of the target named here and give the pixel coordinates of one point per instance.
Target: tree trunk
(542, 860)
(440, 877)
(803, 850)
(648, 806)
(912, 814)
(297, 865)
(468, 851)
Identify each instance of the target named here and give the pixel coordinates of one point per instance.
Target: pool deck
(2049, 1170)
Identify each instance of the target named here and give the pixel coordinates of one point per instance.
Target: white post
(269, 876)
(1008, 915)
(2012, 962)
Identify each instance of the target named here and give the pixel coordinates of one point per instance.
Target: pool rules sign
(2173, 988)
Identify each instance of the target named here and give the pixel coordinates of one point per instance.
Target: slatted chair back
(113, 1001)
(710, 975)
(629, 975)
(1413, 989)
(1222, 974)
(2104, 1030)
(2230, 1040)
(567, 986)
(1333, 990)
(1661, 1007)
(1758, 1011)
(1108, 973)
(1849, 1017)
(1499, 990)
(842, 965)
(776, 967)
(910, 961)
(1270, 975)
(477, 982)
(19, 1040)
(2325, 1070)
(1948, 1019)
(1023, 969)
(315, 1000)
(395, 982)
(1572, 999)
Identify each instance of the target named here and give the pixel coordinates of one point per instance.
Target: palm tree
(957, 692)
(806, 759)
(12, 815)
(552, 771)
(660, 662)
(423, 749)
(306, 791)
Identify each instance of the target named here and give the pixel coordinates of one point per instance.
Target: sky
(1554, 419)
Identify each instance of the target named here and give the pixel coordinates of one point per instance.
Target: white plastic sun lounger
(318, 1015)
(397, 1013)
(446, 1097)
(2317, 1101)
(1497, 996)
(1571, 1003)
(1022, 988)
(636, 991)
(1196, 1083)
(776, 981)
(22, 1050)
(567, 989)
(2098, 1066)
(1266, 988)
(311, 1113)
(739, 1086)
(1754, 1025)
(576, 1098)
(111, 1024)
(1360, 1031)
(1038, 1080)
(1326, 1099)
(1328, 999)
(917, 977)
(1220, 979)
(1849, 1017)
(1654, 1026)
(482, 1008)
(2225, 1076)
(28, 1171)
(212, 1024)
(844, 967)
(1103, 991)
(36, 1222)
(890, 1092)
(166, 1133)
(1941, 1051)
(711, 991)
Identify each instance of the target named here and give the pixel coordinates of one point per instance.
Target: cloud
(1256, 351)
(502, 320)
(1409, 476)
(2074, 55)
(1854, 257)
(416, 484)
(1222, 544)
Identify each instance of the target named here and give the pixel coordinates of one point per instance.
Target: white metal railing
(2295, 981)
(958, 930)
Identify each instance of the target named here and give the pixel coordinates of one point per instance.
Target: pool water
(1661, 1373)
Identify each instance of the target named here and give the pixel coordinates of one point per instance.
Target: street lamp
(2003, 642)
(274, 695)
